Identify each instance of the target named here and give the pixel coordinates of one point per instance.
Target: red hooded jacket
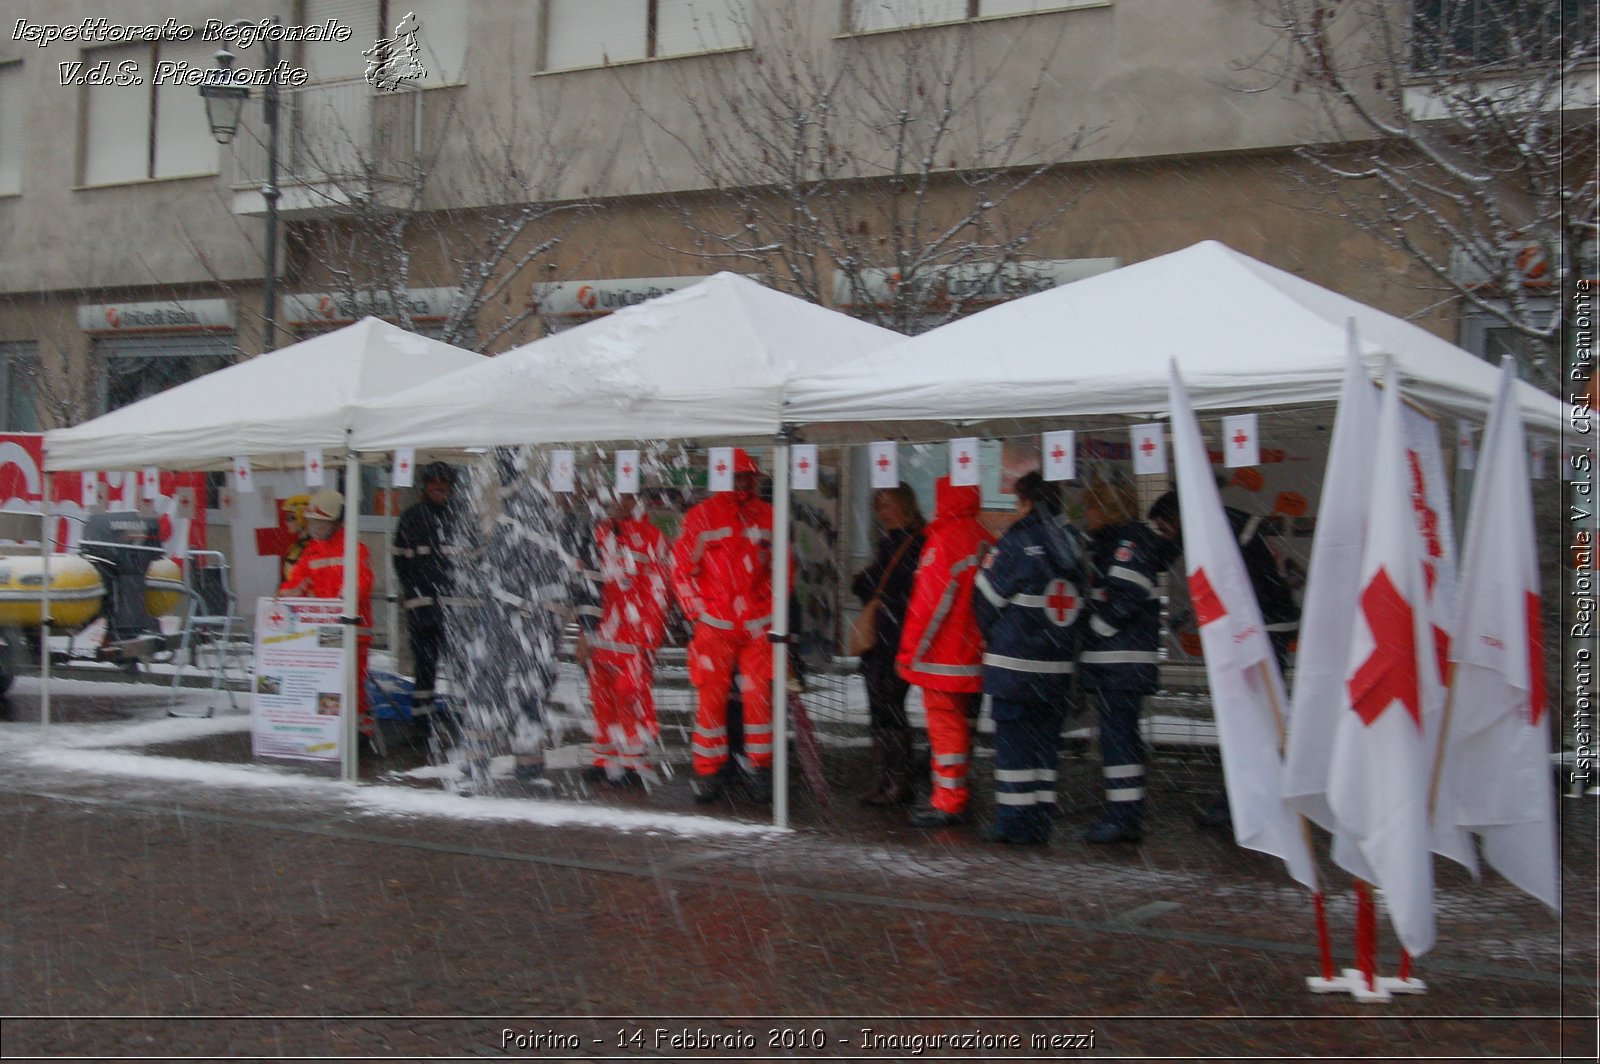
(722, 563)
(940, 647)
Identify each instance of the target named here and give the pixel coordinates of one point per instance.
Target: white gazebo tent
(712, 361)
(270, 409)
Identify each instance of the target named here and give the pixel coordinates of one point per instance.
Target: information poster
(299, 679)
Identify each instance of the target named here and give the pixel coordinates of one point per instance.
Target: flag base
(1354, 983)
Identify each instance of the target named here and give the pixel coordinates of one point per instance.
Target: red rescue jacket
(940, 647)
(722, 563)
(323, 561)
(633, 589)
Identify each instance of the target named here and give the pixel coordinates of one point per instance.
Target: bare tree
(880, 175)
(1464, 138)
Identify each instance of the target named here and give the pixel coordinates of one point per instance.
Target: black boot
(876, 793)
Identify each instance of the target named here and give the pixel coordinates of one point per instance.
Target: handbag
(864, 629)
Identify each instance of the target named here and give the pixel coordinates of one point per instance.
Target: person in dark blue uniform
(1028, 602)
(1118, 663)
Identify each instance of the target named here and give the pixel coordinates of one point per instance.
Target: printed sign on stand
(298, 688)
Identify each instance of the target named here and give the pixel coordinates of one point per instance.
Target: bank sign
(171, 316)
(568, 302)
(341, 308)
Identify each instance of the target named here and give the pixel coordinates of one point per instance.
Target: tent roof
(1245, 335)
(713, 360)
(272, 407)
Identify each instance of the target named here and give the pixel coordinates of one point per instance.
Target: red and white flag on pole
(243, 477)
(803, 466)
(1382, 761)
(1149, 450)
(1499, 738)
(627, 472)
(1246, 688)
(884, 457)
(1240, 445)
(1060, 455)
(719, 469)
(313, 469)
(405, 467)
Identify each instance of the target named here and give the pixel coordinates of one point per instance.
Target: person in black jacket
(425, 553)
(1120, 649)
(901, 519)
(1028, 601)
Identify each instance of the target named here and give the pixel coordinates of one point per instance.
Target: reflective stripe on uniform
(1014, 798)
(1122, 572)
(997, 600)
(323, 563)
(953, 783)
(710, 535)
(419, 601)
(1119, 657)
(1013, 775)
(946, 600)
(1001, 661)
(949, 670)
(949, 759)
(424, 550)
(1124, 794)
(608, 644)
(715, 622)
(403, 552)
(1101, 628)
(1122, 772)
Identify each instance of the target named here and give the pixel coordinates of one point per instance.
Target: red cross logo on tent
(883, 462)
(627, 469)
(1240, 439)
(241, 472)
(1058, 453)
(404, 465)
(1148, 446)
(805, 464)
(722, 467)
(964, 459)
(1390, 672)
(315, 465)
(1061, 602)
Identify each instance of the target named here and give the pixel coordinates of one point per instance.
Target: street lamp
(224, 103)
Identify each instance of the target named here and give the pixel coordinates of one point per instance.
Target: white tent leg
(349, 715)
(46, 534)
(780, 631)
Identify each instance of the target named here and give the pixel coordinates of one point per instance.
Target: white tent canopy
(711, 360)
(272, 408)
(1245, 334)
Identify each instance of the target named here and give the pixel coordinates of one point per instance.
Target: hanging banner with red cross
(1060, 455)
(313, 469)
(1241, 446)
(803, 466)
(562, 477)
(964, 462)
(405, 467)
(884, 456)
(719, 469)
(243, 478)
(627, 466)
(1149, 450)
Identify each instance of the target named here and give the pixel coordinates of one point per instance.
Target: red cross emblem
(315, 465)
(805, 464)
(276, 618)
(1240, 438)
(1058, 454)
(1390, 672)
(963, 459)
(627, 469)
(404, 465)
(1207, 603)
(722, 467)
(1148, 446)
(883, 462)
(1061, 602)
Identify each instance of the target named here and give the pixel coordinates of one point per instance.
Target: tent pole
(780, 630)
(349, 712)
(46, 534)
(391, 612)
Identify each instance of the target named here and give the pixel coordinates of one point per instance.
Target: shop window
(590, 33)
(138, 367)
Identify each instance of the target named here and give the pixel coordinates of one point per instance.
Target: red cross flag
(243, 478)
(405, 467)
(1381, 765)
(563, 479)
(89, 489)
(1247, 693)
(964, 462)
(1060, 455)
(1466, 447)
(150, 483)
(884, 456)
(1499, 740)
(719, 464)
(1149, 450)
(1240, 445)
(313, 469)
(627, 466)
(803, 466)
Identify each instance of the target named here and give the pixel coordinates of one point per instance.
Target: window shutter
(867, 15)
(684, 27)
(442, 37)
(10, 128)
(184, 145)
(585, 33)
(118, 128)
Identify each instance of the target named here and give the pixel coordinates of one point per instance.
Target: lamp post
(224, 102)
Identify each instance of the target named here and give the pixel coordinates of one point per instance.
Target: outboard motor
(122, 546)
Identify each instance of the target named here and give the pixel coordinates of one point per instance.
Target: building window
(591, 33)
(1492, 339)
(137, 132)
(868, 16)
(19, 379)
(441, 38)
(137, 367)
(10, 129)
(1459, 34)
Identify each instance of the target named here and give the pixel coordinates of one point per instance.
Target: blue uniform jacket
(1028, 601)
(1124, 630)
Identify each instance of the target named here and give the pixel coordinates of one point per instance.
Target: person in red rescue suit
(618, 640)
(940, 648)
(722, 577)
(319, 573)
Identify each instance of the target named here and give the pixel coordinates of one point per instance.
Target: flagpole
(1439, 750)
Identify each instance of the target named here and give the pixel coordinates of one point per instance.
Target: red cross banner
(1241, 446)
(627, 470)
(150, 483)
(964, 462)
(1060, 455)
(405, 467)
(719, 469)
(1247, 693)
(1499, 739)
(563, 479)
(1466, 447)
(243, 477)
(803, 466)
(884, 457)
(314, 469)
(1149, 450)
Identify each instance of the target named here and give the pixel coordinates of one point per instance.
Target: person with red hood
(940, 648)
(722, 577)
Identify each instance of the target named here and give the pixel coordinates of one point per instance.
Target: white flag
(885, 458)
(803, 466)
(1381, 765)
(1246, 690)
(243, 479)
(150, 481)
(313, 469)
(563, 479)
(1499, 738)
(719, 469)
(405, 467)
(1060, 455)
(964, 462)
(1240, 444)
(1149, 450)
(627, 467)
(1466, 452)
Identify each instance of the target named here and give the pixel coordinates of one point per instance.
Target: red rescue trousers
(949, 744)
(624, 710)
(364, 722)
(712, 655)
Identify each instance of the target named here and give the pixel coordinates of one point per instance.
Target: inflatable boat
(77, 591)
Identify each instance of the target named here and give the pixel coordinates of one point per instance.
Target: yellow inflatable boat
(77, 592)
